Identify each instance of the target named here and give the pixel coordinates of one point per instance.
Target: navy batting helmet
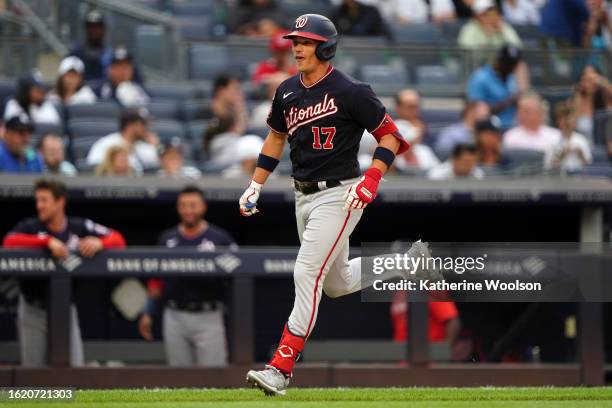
(319, 28)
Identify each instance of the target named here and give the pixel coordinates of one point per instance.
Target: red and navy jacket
(324, 123)
(32, 233)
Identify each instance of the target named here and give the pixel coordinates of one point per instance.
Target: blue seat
(107, 110)
(164, 109)
(176, 92)
(206, 61)
(192, 8)
(524, 157)
(197, 28)
(417, 33)
(81, 147)
(167, 129)
(79, 128)
(196, 110)
(384, 79)
(440, 117)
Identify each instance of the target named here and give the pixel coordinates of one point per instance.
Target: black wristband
(384, 155)
(267, 162)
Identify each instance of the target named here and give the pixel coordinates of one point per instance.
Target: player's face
(191, 209)
(47, 206)
(304, 54)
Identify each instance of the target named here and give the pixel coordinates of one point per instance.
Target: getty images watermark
(425, 273)
(487, 272)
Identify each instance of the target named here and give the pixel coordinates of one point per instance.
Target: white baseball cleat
(271, 381)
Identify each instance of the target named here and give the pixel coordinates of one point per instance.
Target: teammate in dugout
(323, 114)
(62, 236)
(193, 329)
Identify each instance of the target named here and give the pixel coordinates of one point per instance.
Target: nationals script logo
(298, 117)
(301, 22)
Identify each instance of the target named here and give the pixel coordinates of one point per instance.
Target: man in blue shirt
(496, 85)
(565, 21)
(16, 156)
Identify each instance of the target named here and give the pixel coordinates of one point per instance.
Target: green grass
(337, 398)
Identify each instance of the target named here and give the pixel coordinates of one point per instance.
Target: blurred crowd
(504, 123)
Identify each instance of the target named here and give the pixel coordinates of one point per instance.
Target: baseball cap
(169, 144)
(121, 54)
(491, 124)
(279, 43)
(480, 6)
(71, 63)
(94, 17)
(509, 53)
(31, 80)
(19, 122)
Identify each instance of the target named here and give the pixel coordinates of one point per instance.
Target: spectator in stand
(531, 132)
(463, 9)
(497, 85)
(564, 21)
(30, 99)
(357, 19)
(256, 18)
(443, 321)
(220, 141)
(70, 88)
(228, 100)
(599, 27)
(520, 12)
(62, 236)
(462, 164)
(592, 94)
(16, 155)
(94, 54)
(463, 131)
(116, 162)
(489, 144)
(134, 132)
(414, 129)
(171, 160)
(248, 148)
(121, 85)
(280, 65)
(259, 114)
(51, 149)
(487, 29)
(573, 151)
(405, 12)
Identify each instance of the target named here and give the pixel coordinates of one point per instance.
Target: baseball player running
(323, 113)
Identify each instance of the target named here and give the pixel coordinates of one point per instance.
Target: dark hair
(44, 137)
(193, 189)
(216, 126)
(60, 89)
(222, 81)
(463, 148)
(599, 97)
(22, 96)
(57, 188)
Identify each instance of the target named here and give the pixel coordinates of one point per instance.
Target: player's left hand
(363, 192)
(89, 246)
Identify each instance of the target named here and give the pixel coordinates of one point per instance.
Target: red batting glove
(363, 192)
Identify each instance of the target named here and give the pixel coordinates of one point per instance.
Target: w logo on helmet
(301, 22)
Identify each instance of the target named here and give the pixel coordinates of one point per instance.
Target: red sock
(287, 352)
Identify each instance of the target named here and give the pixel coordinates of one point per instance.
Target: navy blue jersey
(194, 289)
(324, 123)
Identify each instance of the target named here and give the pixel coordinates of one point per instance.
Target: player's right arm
(268, 158)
